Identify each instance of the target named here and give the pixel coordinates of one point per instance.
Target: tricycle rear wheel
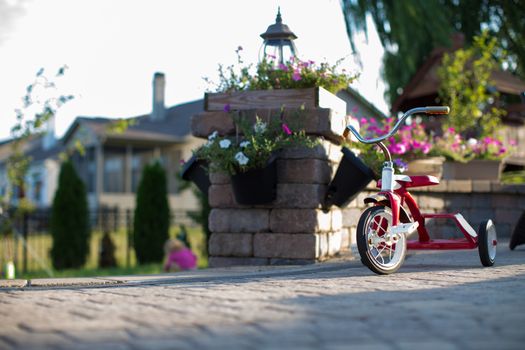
(487, 241)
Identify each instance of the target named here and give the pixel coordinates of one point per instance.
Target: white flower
(472, 142)
(225, 143)
(241, 158)
(213, 135)
(259, 127)
(244, 144)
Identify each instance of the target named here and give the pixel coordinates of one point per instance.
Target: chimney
(49, 139)
(159, 83)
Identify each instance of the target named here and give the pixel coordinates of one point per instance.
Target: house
(358, 106)
(422, 90)
(111, 162)
(43, 170)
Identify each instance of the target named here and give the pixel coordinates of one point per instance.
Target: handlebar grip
(437, 110)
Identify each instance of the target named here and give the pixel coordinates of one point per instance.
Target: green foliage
(259, 142)
(152, 215)
(69, 220)
(465, 82)
(410, 29)
(37, 109)
(294, 74)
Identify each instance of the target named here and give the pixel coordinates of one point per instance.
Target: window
(114, 171)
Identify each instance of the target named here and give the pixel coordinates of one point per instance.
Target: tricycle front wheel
(380, 251)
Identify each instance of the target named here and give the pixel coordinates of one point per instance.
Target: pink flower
(513, 143)
(426, 148)
(398, 148)
(296, 76)
(283, 67)
(286, 129)
(363, 121)
(182, 162)
(451, 130)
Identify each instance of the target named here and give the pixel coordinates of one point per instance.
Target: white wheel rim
(381, 247)
(491, 240)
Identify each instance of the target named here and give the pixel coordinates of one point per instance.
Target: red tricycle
(383, 228)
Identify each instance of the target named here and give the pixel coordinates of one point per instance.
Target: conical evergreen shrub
(69, 220)
(152, 215)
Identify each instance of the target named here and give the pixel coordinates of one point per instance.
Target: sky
(113, 48)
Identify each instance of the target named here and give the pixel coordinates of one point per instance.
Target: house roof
(355, 94)
(175, 127)
(424, 85)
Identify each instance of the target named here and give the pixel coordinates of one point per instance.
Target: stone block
(345, 239)
(459, 186)
(481, 200)
(351, 217)
(219, 179)
(431, 201)
(286, 245)
(501, 201)
(300, 195)
(239, 220)
(304, 171)
(441, 187)
(231, 244)
(335, 242)
(507, 216)
(220, 261)
(221, 196)
(299, 221)
(457, 201)
(337, 219)
(325, 150)
(480, 185)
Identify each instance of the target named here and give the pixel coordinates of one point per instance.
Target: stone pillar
(293, 229)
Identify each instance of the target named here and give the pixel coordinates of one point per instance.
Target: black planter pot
(351, 177)
(257, 186)
(196, 171)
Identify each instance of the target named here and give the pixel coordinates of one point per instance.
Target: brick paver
(442, 300)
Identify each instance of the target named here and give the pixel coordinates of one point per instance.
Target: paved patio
(438, 300)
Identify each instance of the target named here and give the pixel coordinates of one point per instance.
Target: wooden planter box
(477, 169)
(274, 99)
(324, 114)
(427, 166)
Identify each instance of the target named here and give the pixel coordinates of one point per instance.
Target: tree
(465, 75)
(69, 220)
(152, 215)
(410, 29)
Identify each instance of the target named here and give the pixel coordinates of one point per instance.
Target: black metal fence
(29, 244)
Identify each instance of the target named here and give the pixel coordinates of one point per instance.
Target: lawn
(39, 262)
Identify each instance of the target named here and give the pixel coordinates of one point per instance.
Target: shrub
(69, 220)
(152, 215)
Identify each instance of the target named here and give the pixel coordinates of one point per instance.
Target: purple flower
(283, 67)
(296, 76)
(286, 129)
(401, 165)
(227, 108)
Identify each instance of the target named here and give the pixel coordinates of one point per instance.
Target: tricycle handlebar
(418, 110)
